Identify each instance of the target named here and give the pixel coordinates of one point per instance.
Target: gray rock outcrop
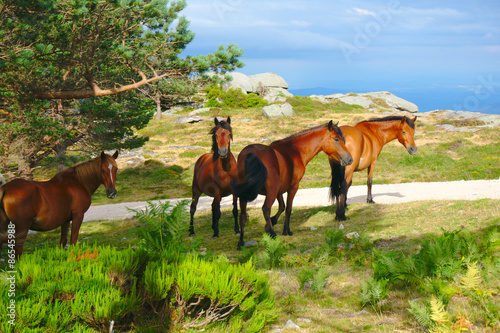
(270, 80)
(394, 101)
(241, 81)
(277, 110)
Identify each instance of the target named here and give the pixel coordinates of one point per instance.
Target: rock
(291, 325)
(251, 243)
(241, 81)
(352, 235)
(334, 96)
(313, 228)
(2, 179)
(270, 80)
(198, 111)
(277, 110)
(305, 320)
(188, 119)
(393, 101)
(279, 95)
(356, 100)
(341, 226)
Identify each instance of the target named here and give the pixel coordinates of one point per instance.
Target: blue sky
(396, 45)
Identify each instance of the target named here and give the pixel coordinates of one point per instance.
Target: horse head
(406, 134)
(222, 134)
(108, 173)
(335, 145)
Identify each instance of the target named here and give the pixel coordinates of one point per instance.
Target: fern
(472, 279)
(421, 313)
(438, 313)
(273, 253)
(373, 291)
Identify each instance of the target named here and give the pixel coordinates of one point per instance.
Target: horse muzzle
(412, 150)
(223, 152)
(344, 161)
(111, 193)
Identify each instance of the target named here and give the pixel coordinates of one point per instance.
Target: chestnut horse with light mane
(46, 205)
(278, 168)
(365, 141)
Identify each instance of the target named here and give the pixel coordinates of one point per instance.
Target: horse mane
(88, 173)
(225, 125)
(391, 118)
(310, 130)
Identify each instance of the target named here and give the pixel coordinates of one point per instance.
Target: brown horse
(278, 168)
(43, 206)
(365, 141)
(213, 174)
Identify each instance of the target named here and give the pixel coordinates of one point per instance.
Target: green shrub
(232, 98)
(58, 290)
(203, 292)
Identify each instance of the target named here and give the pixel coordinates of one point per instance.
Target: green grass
(336, 307)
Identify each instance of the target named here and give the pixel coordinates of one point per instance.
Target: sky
(442, 54)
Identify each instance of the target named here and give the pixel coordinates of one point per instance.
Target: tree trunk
(158, 107)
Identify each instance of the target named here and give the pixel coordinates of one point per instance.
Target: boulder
(277, 95)
(356, 100)
(277, 110)
(188, 119)
(393, 101)
(270, 80)
(241, 81)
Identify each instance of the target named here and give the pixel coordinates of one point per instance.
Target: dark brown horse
(365, 141)
(213, 174)
(43, 206)
(278, 168)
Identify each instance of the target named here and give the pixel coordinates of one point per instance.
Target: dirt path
(383, 194)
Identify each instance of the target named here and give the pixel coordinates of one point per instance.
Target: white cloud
(361, 11)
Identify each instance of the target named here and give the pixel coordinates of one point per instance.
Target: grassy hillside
(324, 280)
(442, 155)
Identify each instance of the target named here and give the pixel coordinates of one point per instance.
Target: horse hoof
(274, 221)
(340, 218)
(192, 234)
(236, 232)
(287, 233)
(215, 237)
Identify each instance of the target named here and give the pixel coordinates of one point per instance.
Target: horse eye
(337, 139)
(404, 132)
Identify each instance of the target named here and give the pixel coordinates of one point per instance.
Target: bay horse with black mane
(46, 205)
(365, 141)
(278, 168)
(213, 173)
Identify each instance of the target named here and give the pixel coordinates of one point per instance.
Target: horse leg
(342, 198)
(20, 240)
(75, 227)
(369, 182)
(64, 234)
(281, 208)
(216, 215)
(192, 210)
(243, 219)
(288, 213)
(235, 215)
(266, 210)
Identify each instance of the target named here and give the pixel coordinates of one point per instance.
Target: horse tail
(255, 178)
(338, 176)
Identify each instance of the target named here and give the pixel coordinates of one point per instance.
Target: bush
(273, 253)
(202, 292)
(232, 98)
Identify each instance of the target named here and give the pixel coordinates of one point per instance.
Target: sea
(430, 99)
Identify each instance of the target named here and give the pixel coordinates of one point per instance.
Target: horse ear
(228, 120)
(216, 121)
(115, 155)
(414, 119)
(330, 125)
(103, 155)
(403, 120)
